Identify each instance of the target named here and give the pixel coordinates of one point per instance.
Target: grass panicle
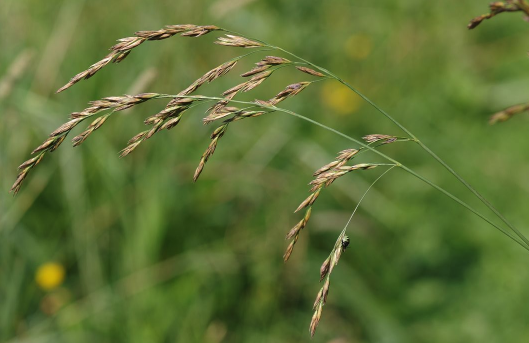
(116, 103)
(228, 110)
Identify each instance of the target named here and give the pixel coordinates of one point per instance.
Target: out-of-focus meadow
(98, 248)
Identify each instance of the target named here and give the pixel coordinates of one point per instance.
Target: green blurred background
(149, 256)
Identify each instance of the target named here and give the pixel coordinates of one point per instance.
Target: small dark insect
(345, 242)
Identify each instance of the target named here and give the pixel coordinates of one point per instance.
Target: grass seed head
(255, 70)
(125, 45)
(272, 61)
(215, 136)
(237, 41)
(309, 71)
(289, 91)
(315, 319)
(378, 137)
(508, 113)
(289, 250)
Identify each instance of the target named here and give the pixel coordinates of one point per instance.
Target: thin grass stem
(362, 198)
(414, 138)
(395, 162)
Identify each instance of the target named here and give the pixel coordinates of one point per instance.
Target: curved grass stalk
(362, 198)
(194, 31)
(371, 148)
(414, 138)
(421, 144)
(170, 117)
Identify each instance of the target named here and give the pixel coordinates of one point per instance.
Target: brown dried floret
(219, 110)
(265, 63)
(215, 136)
(325, 273)
(324, 269)
(508, 113)
(315, 319)
(237, 41)
(498, 7)
(255, 70)
(289, 91)
(57, 137)
(386, 139)
(325, 176)
(309, 71)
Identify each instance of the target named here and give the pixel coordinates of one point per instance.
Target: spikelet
(498, 7)
(310, 71)
(325, 273)
(237, 41)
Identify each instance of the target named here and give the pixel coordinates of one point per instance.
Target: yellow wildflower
(49, 275)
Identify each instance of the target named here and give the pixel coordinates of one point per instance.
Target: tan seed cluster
(324, 177)
(220, 109)
(309, 71)
(265, 63)
(498, 7)
(508, 113)
(342, 158)
(171, 115)
(325, 273)
(217, 111)
(237, 41)
(116, 103)
(330, 176)
(255, 81)
(384, 139)
(211, 75)
(215, 136)
(163, 120)
(294, 233)
(125, 45)
(25, 168)
(245, 114)
(289, 91)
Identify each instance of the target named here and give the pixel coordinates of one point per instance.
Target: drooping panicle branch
(122, 49)
(508, 113)
(325, 176)
(332, 260)
(309, 71)
(325, 273)
(498, 7)
(215, 136)
(237, 41)
(114, 103)
(266, 63)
